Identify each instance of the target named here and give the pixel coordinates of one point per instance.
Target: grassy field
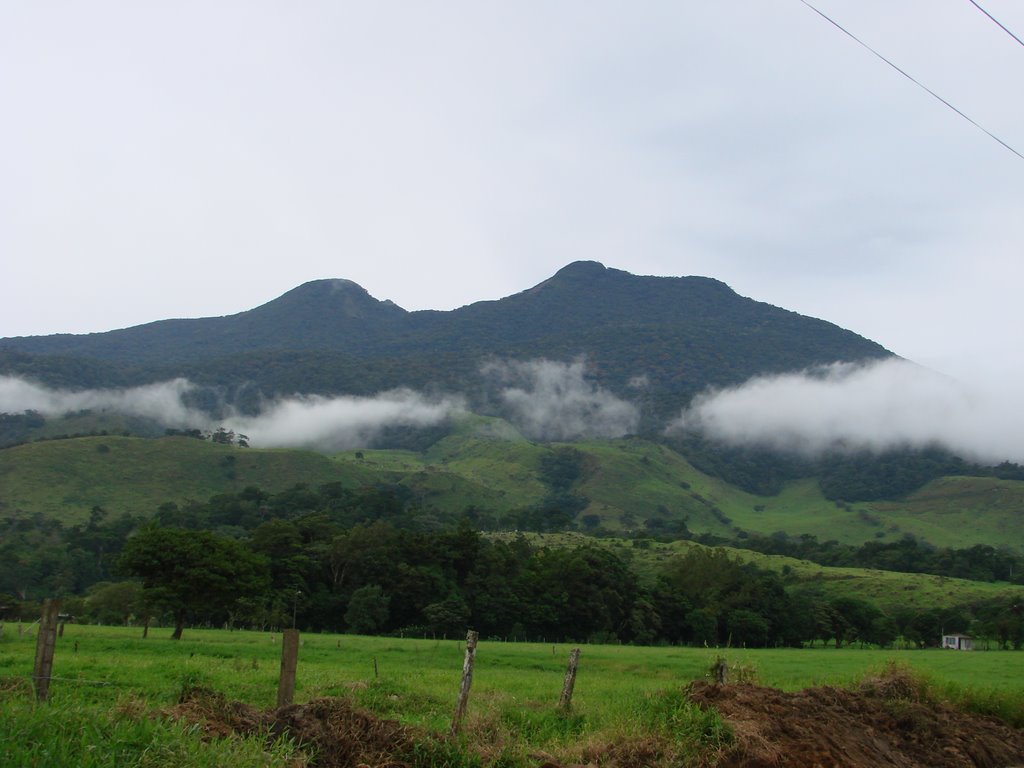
(627, 482)
(103, 675)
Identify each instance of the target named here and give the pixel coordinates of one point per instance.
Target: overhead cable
(916, 82)
(997, 22)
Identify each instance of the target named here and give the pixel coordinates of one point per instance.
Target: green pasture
(107, 678)
(421, 676)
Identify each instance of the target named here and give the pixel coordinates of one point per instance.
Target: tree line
(342, 559)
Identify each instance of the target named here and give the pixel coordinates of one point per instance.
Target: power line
(997, 22)
(916, 82)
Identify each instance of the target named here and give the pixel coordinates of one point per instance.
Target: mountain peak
(335, 296)
(579, 269)
(682, 334)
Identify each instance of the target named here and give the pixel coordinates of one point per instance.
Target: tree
(703, 625)
(223, 436)
(854, 620)
(114, 602)
(579, 593)
(193, 572)
(447, 617)
(747, 628)
(368, 610)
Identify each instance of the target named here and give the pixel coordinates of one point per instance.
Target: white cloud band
(861, 407)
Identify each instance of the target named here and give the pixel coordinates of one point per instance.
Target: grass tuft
(900, 685)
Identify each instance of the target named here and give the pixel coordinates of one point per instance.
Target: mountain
(677, 334)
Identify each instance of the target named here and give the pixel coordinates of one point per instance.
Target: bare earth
(885, 723)
(888, 721)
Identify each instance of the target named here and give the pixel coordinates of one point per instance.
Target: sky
(196, 159)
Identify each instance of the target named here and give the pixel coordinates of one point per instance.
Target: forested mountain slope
(677, 334)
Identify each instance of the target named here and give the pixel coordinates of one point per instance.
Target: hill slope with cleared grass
(633, 482)
(629, 486)
(888, 590)
(64, 479)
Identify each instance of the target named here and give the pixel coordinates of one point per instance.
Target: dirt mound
(342, 736)
(888, 722)
(218, 716)
(332, 731)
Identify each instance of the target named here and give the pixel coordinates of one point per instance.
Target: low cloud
(324, 423)
(545, 400)
(550, 400)
(888, 404)
(162, 402)
(339, 423)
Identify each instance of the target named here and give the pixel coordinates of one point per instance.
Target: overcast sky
(191, 159)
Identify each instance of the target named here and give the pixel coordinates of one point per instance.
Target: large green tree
(193, 572)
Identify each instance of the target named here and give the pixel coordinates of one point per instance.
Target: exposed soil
(334, 732)
(887, 722)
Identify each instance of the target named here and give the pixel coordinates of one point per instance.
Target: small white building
(958, 642)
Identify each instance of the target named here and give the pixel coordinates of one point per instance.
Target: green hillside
(629, 486)
(633, 481)
(66, 478)
(888, 590)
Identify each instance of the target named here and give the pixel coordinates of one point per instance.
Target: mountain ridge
(680, 334)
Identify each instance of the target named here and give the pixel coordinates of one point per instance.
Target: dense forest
(366, 560)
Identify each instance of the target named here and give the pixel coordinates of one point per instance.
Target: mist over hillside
(844, 409)
(750, 392)
(677, 335)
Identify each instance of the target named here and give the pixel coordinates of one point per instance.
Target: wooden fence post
(720, 671)
(565, 702)
(46, 641)
(467, 681)
(289, 663)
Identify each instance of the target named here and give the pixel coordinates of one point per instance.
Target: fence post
(289, 662)
(46, 641)
(720, 671)
(565, 702)
(467, 681)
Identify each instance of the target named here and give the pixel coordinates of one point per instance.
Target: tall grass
(109, 683)
(65, 732)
